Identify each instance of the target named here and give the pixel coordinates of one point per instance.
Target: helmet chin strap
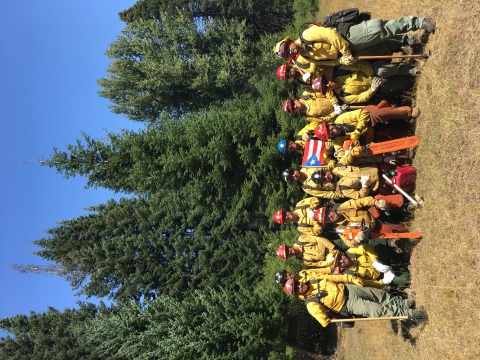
(345, 128)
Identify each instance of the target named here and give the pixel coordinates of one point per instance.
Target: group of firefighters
(347, 272)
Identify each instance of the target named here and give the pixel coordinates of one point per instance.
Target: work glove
(338, 109)
(331, 164)
(380, 267)
(347, 59)
(306, 76)
(306, 136)
(360, 237)
(388, 277)
(358, 281)
(357, 151)
(329, 147)
(310, 213)
(377, 82)
(382, 204)
(323, 118)
(365, 181)
(390, 159)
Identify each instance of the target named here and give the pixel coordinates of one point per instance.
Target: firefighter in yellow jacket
(360, 82)
(364, 261)
(352, 125)
(320, 45)
(309, 249)
(297, 145)
(311, 181)
(344, 181)
(302, 215)
(352, 213)
(327, 43)
(358, 124)
(352, 181)
(307, 275)
(344, 294)
(297, 69)
(315, 106)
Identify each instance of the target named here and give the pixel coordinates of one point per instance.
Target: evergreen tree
(221, 147)
(170, 66)
(211, 183)
(211, 324)
(49, 335)
(266, 16)
(121, 248)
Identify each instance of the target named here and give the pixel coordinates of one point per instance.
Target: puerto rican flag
(313, 153)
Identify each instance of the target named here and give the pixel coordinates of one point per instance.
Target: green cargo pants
(375, 31)
(373, 302)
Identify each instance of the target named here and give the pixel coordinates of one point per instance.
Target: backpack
(344, 19)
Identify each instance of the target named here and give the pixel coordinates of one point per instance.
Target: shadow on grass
(403, 328)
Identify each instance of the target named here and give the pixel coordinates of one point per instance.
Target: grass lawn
(446, 262)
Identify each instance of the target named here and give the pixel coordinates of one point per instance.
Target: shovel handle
(370, 319)
(373, 57)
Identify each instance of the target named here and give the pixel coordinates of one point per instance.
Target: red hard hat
(287, 106)
(282, 72)
(278, 217)
(320, 215)
(289, 287)
(319, 84)
(321, 131)
(282, 252)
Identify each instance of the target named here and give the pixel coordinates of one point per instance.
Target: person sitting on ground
(363, 261)
(306, 275)
(354, 213)
(358, 124)
(321, 46)
(360, 82)
(339, 294)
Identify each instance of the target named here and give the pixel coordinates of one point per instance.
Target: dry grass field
(446, 263)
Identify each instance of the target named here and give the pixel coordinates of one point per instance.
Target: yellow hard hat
(332, 258)
(278, 50)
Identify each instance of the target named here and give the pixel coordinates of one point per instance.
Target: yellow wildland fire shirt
(334, 299)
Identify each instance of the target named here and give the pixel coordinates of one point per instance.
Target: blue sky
(52, 53)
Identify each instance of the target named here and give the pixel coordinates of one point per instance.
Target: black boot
(419, 315)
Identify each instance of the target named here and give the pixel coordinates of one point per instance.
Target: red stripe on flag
(313, 147)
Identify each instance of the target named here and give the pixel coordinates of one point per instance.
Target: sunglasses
(296, 287)
(287, 53)
(290, 106)
(290, 177)
(327, 214)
